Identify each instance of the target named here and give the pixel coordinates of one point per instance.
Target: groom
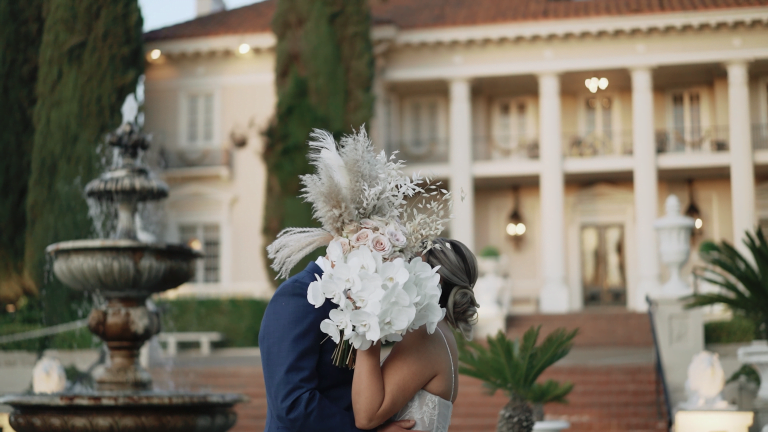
(305, 391)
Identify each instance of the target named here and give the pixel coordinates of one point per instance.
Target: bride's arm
(379, 392)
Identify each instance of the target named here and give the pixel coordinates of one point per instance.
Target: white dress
(431, 413)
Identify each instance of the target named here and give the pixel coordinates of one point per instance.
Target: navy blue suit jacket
(305, 391)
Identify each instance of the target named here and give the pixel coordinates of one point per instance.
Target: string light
(244, 48)
(155, 54)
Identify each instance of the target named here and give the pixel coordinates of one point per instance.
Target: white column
(646, 187)
(379, 132)
(742, 165)
(554, 295)
(460, 159)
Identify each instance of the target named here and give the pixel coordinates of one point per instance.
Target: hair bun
(461, 310)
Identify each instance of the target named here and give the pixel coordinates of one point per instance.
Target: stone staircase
(617, 398)
(613, 373)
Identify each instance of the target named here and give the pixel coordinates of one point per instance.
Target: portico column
(554, 295)
(742, 165)
(646, 186)
(380, 122)
(460, 159)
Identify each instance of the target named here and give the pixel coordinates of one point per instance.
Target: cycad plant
(513, 367)
(744, 282)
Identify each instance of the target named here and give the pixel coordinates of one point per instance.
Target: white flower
(367, 224)
(364, 258)
(333, 288)
(394, 272)
(315, 294)
(369, 297)
(381, 244)
(335, 250)
(329, 327)
(362, 237)
(324, 264)
(359, 341)
(396, 319)
(396, 236)
(366, 324)
(341, 319)
(347, 274)
(430, 314)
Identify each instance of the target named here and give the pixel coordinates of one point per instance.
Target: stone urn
(674, 231)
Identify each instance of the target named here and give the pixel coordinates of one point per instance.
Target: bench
(172, 340)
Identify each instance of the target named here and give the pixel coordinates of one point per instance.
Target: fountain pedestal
(124, 272)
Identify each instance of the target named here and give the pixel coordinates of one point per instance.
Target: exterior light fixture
(595, 83)
(244, 48)
(516, 227)
(155, 54)
(195, 244)
(693, 211)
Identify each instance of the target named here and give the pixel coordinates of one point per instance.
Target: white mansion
(574, 118)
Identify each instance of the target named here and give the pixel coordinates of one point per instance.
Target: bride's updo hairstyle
(458, 271)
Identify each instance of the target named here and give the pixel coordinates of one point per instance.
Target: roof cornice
(390, 35)
(609, 25)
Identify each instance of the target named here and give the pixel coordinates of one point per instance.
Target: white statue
(48, 376)
(489, 286)
(706, 380)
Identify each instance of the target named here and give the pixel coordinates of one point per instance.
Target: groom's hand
(398, 426)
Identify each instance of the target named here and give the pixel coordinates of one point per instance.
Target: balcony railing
(692, 140)
(421, 151)
(505, 147)
(598, 144)
(179, 157)
(760, 136)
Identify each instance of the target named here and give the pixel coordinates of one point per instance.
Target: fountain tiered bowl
(124, 272)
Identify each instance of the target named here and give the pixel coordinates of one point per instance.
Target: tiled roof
(409, 14)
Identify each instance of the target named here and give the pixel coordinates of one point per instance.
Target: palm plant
(513, 367)
(744, 282)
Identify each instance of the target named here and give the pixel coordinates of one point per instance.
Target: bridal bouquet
(376, 224)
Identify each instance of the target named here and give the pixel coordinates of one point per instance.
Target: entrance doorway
(603, 275)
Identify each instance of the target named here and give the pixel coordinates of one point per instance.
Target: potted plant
(513, 367)
(744, 282)
(488, 260)
(744, 289)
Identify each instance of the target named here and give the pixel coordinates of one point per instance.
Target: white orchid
(315, 294)
(369, 298)
(331, 329)
(380, 297)
(394, 272)
(366, 324)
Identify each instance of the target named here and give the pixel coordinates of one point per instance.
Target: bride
(419, 379)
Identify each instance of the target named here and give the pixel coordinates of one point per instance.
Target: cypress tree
(21, 26)
(91, 57)
(324, 74)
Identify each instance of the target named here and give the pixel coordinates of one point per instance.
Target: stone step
(614, 398)
(608, 328)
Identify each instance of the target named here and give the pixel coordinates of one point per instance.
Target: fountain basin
(122, 268)
(123, 411)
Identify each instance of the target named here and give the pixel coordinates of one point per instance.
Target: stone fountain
(124, 272)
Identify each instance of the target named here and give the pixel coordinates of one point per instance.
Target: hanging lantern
(693, 212)
(516, 226)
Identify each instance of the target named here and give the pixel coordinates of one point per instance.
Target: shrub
(490, 252)
(738, 329)
(238, 319)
